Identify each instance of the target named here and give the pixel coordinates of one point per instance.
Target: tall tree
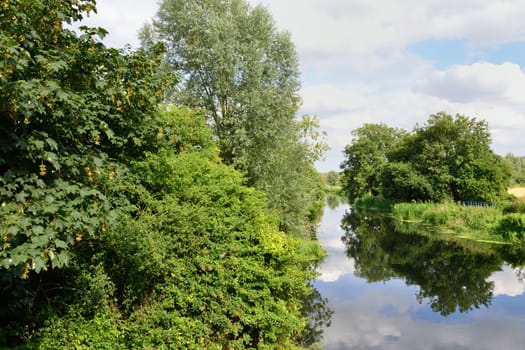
(243, 72)
(238, 67)
(366, 157)
(454, 155)
(119, 226)
(446, 158)
(518, 168)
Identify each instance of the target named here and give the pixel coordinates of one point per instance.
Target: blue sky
(390, 61)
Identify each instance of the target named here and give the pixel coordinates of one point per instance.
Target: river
(395, 291)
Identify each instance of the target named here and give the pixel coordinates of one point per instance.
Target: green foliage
(512, 227)
(237, 67)
(69, 108)
(402, 183)
(372, 203)
(478, 223)
(513, 206)
(91, 321)
(332, 178)
(447, 158)
(120, 226)
(453, 156)
(243, 72)
(224, 275)
(365, 159)
(517, 164)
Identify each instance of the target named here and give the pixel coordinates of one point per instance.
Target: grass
(373, 204)
(503, 224)
(483, 224)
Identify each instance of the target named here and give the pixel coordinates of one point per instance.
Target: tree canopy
(446, 158)
(366, 158)
(517, 164)
(121, 226)
(243, 72)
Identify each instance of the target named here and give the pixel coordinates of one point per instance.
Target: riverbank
(495, 224)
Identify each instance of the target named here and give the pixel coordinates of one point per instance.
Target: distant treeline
(447, 158)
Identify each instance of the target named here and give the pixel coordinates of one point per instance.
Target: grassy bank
(502, 224)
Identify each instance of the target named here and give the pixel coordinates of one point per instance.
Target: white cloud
(389, 318)
(356, 67)
(335, 266)
(342, 29)
(506, 282)
(482, 81)
(123, 19)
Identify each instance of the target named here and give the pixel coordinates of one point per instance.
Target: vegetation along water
(440, 178)
(158, 198)
(165, 197)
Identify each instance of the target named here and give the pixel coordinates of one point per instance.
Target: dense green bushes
(121, 227)
(448, 158)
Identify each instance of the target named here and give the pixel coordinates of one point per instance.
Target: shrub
(511, 226)
(514, 206)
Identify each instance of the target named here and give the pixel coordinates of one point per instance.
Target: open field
(518, 192)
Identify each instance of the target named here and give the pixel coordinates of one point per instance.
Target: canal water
(389, 290)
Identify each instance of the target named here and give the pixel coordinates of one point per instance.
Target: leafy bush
(438, 215)
(515, 206)
(120, 226)
(512, 226)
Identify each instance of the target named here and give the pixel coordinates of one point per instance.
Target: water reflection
(334, 201)
(372, 274)
(319, 316)
(450, 276)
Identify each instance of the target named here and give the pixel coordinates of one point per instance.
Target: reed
(373, 204)
(463, 221)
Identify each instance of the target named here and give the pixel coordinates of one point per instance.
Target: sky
(389, 61)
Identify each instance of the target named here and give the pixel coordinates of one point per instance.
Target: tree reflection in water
(319, 317)
(334, 201)
(450, 275)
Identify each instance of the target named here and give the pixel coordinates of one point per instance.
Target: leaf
(37, 230)
(53, 145)
(60, 244)
(39, 264)
(21, 197)
(49, 199)
(38, 144)
(98, 161)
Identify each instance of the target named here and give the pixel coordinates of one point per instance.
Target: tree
(518, 168)
(366, 157)
(446, 158)
(332, 178)
(237, 67)
(453, 154)
(73, 113)
(402, 183)
(71, 110)
(120, 228)
(243, 72)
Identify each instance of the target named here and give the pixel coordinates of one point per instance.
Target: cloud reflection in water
(387, 315)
